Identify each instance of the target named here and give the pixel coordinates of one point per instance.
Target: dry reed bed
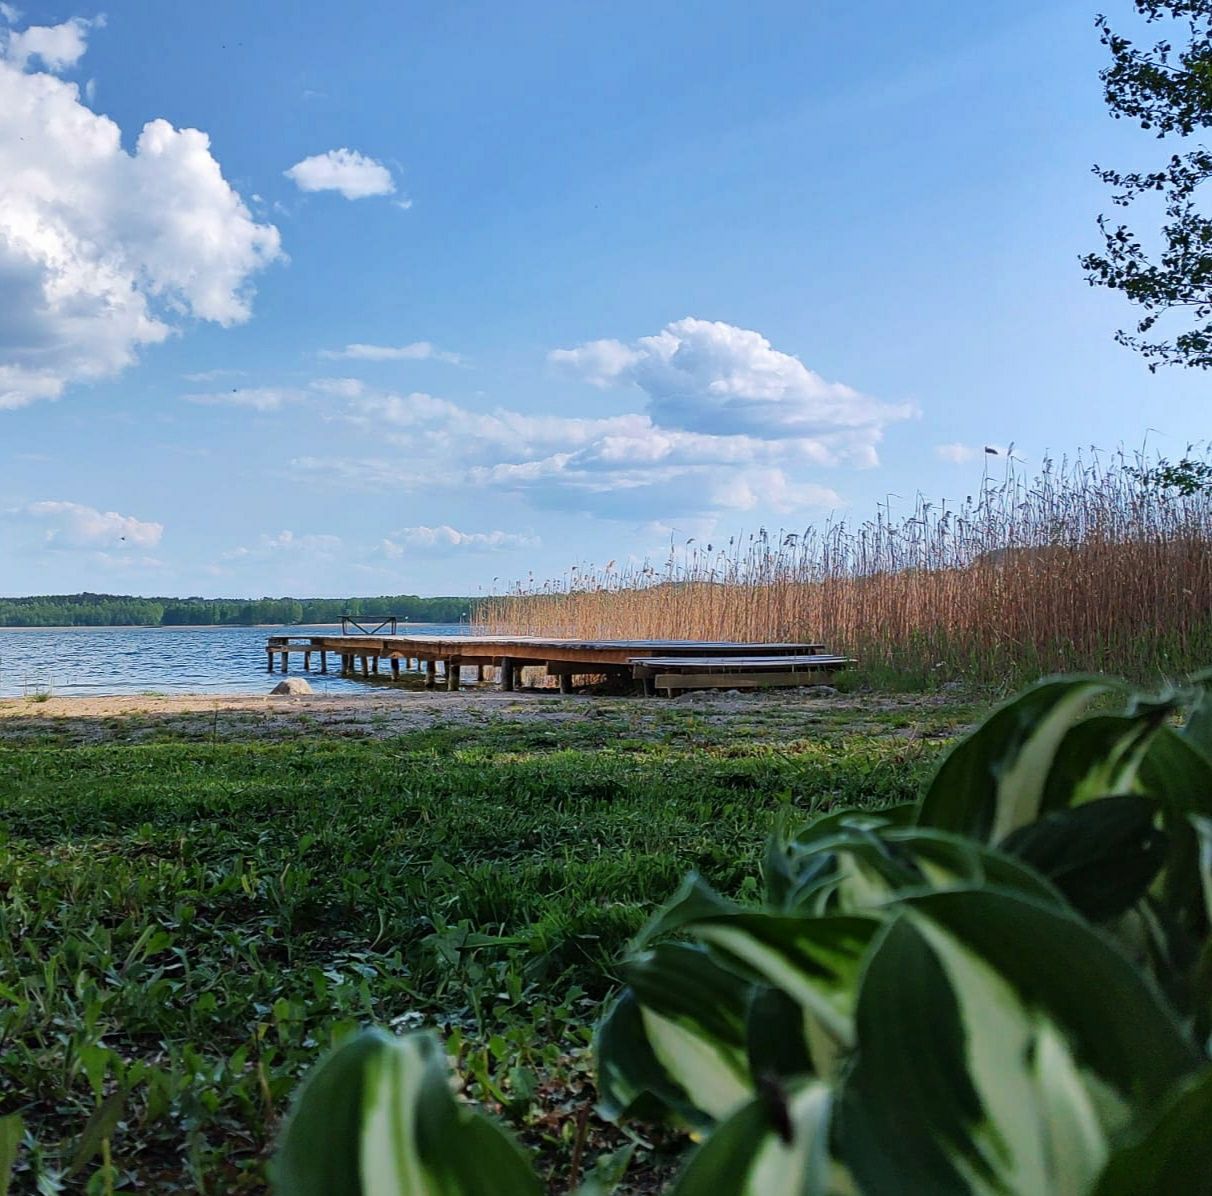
(1092, 564)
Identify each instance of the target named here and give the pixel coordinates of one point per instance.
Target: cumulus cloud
(346, 171)
(417, 351)
(103, 251)
(729, 425)
(72, 525)
(621, 466)
(423, 540)
(714, 378)
(255, 398)
(58, 47)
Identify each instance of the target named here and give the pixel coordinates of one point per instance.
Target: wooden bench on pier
(676, 674)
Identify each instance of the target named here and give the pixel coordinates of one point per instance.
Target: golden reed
(1092, 564)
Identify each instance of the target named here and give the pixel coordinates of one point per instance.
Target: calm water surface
(122, 660)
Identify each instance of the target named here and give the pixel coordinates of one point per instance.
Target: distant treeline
(117, 610)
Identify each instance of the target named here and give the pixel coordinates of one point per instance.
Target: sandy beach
(382, 714)
(377, 713)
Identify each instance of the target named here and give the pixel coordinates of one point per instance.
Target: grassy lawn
(190, 918)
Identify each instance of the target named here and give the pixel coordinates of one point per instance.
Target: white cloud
(213, 375)
(311, 545)
(601, 363)
(71, 525)
(341, 388)
(256, 398)
(730, 425)
(620, 466)
(714, 378)
(58, 47)
(344, 170)
(956, 453)
(444, 538)
(103, 251)
(959, 454)
(11, 14)
(417, 351)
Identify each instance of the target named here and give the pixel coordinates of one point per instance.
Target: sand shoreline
(377, 713)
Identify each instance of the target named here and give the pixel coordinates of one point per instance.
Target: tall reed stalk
(1092, 564)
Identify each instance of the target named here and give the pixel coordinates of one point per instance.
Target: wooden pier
(667, 666)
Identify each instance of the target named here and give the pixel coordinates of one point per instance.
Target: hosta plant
(1005, 988)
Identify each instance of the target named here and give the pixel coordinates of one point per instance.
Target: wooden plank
(738, 662)
(558, 668)
(735, 680)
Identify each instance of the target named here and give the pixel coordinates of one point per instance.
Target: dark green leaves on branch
(1167, 89)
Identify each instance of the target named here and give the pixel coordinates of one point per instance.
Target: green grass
(189, 921)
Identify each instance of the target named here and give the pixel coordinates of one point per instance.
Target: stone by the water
(295, 685)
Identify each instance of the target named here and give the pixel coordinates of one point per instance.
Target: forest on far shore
(120, 610)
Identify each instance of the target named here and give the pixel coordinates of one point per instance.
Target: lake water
(82, 661)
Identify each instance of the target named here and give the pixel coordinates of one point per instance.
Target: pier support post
(285, 660)
(479, 674)
(323, 661)
(565, 683)
(269, 660)
(374, 661)
(307, 662)
(431, 670)
(507, 678)
(395, 668)
(453, 669)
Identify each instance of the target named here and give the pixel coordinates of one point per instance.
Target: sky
(415, 298)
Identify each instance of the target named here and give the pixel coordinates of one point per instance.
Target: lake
(86, 661)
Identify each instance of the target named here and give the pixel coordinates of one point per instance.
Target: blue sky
(413, 297)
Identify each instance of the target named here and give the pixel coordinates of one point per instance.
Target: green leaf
(906, 1113)
(775, 1036)
(1100, 756)
(1197, 730)
(1177, 772)
(815, 961)
(877, 865)
(694, 899)
(1056, 962)
(1173, 1153)
(11, 1131)
(1102, 855)
(680, 1041)
(777, 1145)
(377, 1118)
(960, 1085)
(631, 1081)
(799, 871)
(993, 782)
(607, 1173)
(101, 1125)
(1180, 775)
